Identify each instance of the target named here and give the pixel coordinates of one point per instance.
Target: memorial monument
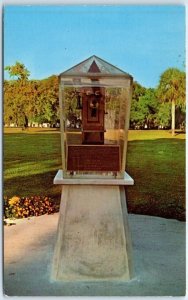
(93, 238)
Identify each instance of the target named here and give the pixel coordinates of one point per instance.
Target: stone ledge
(127, 180)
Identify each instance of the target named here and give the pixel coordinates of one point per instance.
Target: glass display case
(95, 99)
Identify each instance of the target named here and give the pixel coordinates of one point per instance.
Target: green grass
(30, 164)
(155, 160)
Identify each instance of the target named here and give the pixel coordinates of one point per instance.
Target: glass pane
(95, 136)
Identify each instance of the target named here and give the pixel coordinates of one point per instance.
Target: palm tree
(172, 89)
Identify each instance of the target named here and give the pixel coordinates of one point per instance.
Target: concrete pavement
(158, 250)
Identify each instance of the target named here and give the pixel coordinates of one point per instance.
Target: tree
(8, 102)
(163, 115)
(27, 101)
(47, 100)
(148, 107)
(18, 70)
(18, 94)
(136, 117)
(144, 107)
(138, 91)
(144, 110)
(171, 89)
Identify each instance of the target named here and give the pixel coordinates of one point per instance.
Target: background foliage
(36, 101)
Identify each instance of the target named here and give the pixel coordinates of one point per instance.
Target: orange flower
(14, 200)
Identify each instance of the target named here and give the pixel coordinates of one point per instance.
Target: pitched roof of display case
(95, 66)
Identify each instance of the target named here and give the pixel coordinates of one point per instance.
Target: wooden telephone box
(93, 115)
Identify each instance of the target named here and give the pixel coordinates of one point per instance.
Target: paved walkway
(158, 249)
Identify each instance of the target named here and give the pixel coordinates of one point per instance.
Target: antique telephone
(91, 101)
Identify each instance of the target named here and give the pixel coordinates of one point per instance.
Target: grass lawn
(155, 160)
(31, 160)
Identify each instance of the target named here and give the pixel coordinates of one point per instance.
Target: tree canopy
(144, 108)
(18, 70)
(172, 86)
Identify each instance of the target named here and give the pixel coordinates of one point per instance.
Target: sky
(142, 40)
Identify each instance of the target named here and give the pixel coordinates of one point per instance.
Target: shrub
(24, 207)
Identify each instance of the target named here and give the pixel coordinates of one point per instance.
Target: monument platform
(93, 240)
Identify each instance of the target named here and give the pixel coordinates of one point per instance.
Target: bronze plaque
(93, 158)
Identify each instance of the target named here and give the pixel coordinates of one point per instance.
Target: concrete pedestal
(93, 240)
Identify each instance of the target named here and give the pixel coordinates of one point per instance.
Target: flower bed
(24, 207)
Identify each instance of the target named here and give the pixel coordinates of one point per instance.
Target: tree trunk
(26, 122)
(173, 117)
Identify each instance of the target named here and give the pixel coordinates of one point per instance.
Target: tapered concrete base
(93, 241)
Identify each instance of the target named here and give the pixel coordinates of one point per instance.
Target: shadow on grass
(30, 185)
